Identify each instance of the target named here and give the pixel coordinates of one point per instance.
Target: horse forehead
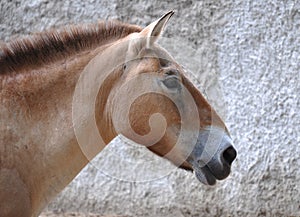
(158, 55)
(161, 53)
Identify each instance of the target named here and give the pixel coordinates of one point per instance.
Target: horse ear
(153, 30)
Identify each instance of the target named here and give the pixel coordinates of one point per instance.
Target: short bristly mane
(40, 49)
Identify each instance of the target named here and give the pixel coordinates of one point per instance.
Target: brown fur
(37, 77)
(39, 153)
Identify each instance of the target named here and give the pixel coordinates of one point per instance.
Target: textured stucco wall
(254, 49)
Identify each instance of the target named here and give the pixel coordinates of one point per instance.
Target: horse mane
(39, 49)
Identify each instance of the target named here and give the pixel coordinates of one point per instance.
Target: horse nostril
(229, 155)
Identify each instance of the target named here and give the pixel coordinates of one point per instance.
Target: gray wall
(252, 47)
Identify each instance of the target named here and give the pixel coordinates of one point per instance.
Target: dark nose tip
(229, 155)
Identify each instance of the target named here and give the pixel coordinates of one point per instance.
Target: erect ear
(153, 30)
(146, 37)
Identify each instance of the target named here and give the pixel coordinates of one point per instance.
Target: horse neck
(62, 102)
(44, 98)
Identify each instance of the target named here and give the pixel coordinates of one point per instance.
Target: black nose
(229, 155)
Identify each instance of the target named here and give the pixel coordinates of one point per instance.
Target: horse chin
(205, 176)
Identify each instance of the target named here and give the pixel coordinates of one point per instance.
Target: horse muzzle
(212, 155)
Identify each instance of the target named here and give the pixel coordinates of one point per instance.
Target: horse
(46, 106)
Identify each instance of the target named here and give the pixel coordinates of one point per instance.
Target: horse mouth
(205, 175)
(209, 168)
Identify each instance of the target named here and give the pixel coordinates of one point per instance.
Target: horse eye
(171, 82)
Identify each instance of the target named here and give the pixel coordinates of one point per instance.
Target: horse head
(157, 106)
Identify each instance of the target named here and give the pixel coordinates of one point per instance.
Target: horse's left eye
(171, 82)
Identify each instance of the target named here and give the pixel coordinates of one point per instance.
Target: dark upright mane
(47, 47)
